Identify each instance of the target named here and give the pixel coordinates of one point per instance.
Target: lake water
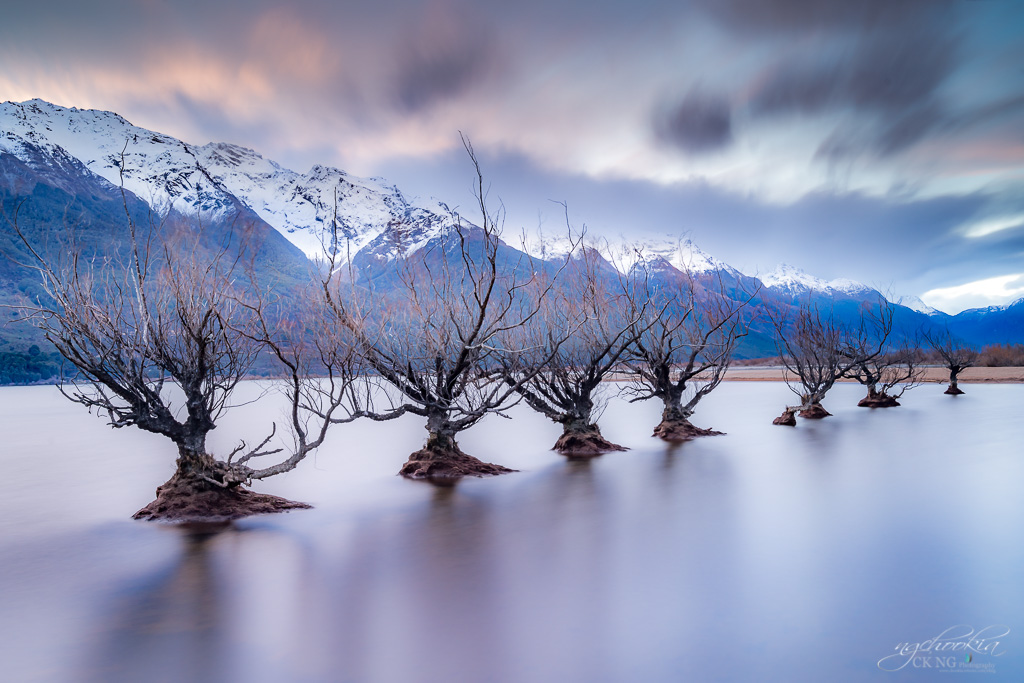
(771, 553)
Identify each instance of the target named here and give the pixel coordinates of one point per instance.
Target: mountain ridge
(375, 220)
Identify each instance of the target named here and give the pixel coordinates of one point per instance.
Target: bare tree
(817, 350)
(581, 334)
(889, 375)
(956, 354)
(435, 339)
(684, 346)
(161, 333)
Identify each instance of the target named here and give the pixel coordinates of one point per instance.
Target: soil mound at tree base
(585, 443)
(814, 412)
(953, 391)
(681, 430)
(787, 419)
(448, 465)
(189, 498)
(878, 402)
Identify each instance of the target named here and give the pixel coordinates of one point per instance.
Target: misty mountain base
(441, 461)
(204, 491)
(584, 440)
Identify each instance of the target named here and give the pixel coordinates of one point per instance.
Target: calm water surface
(803, 554)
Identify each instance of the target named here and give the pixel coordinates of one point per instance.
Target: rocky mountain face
(64, 168)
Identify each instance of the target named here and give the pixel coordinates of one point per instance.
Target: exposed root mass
(187, 497)
(681, 430)
(953, 391)
(585, 442)
(448, 464)
(787, 419)
(814, 412)
(879, 401)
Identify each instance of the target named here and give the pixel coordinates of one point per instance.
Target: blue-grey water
(771, 553)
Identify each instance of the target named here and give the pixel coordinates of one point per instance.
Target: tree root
(585, 442)
(787, 419)
(953, 391)
(814, 412)
(879, 401)
(681, 430)
(191, 497)
(445, 465)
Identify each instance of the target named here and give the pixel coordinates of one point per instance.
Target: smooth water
(771, 553)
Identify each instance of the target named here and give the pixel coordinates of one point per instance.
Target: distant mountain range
(67, 164)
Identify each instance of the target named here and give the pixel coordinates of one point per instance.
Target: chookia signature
(940, 651)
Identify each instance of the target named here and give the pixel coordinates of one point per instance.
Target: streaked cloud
(994, 224)
(978, 294)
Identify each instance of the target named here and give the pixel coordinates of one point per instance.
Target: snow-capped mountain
(915, 303)
(792, 281)
(624, 255)
(89, 154)
(160, 170)
(684, 256)
(304, 206)
(212, 179)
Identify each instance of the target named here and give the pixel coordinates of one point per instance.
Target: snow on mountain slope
(158, 169)
(794, 281)
(916, 304)
(304, 206)
(211, 179)
(684, 256)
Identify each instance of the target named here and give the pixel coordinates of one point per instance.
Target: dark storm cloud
(893, 78)
(439, 70)
(700, 123)
(885, 72)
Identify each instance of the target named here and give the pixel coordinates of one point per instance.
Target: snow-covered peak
(159, 169)
(915, 303)
(548, 247)
(793, 280)
(683, 255)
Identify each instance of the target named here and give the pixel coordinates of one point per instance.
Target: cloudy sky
(880, 140)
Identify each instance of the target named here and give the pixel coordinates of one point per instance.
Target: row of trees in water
(817, 350)
(466, 327)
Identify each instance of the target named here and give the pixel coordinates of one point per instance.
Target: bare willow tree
(888, 375)
(160, 333)
(956, 354)
(435, 338)
(817, 350)
(580, 336)
(684, 346)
